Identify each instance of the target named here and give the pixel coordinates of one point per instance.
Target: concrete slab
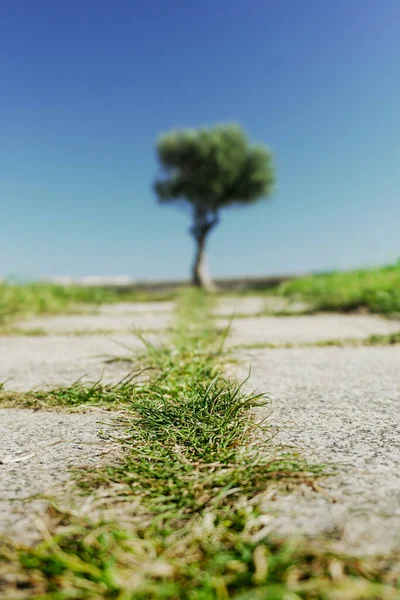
(133, 308)
(46, 362)
(306, 329)
(252, 305)
(37, 450)
(339, 406)
(96, 323)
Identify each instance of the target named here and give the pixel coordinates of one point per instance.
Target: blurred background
(87, 87)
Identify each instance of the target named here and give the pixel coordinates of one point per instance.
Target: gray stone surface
(37, 449)
(251, 305)
(29, 362)
(340, 406)
(305, 329)
(134, 308)
(115, 322)
(45, 362)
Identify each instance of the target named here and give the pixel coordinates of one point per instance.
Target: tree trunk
(200, 275)
(203, 221)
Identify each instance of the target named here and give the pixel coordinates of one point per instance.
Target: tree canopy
(213, 168)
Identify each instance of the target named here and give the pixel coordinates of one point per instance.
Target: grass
(77, 396)
(374, 290)
(183, 518)
(390, 339)
(269, 313)
(7, 331)
(41, 298)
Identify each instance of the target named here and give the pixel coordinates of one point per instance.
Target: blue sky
(88, 86)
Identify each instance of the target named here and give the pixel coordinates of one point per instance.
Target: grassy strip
(376, 290)
(41, 332)
(77, 396)
(185, 500)
(269, 313)
(42, 298)
(390, 339)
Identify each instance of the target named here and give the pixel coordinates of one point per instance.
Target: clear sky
(87, 86)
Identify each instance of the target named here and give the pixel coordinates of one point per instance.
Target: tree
(209, 169)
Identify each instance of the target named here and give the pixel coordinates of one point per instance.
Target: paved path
(47, 362)
(336, 405)
(340, 406)
(37, 449)
(116, 322)
(306, 329)
(253, 305)
(135, 308)
(62, 358)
